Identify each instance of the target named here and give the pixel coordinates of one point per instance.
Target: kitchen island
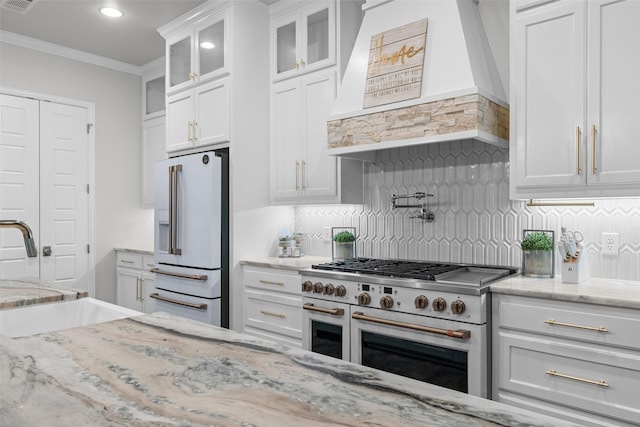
(163, 370)
(30, 291)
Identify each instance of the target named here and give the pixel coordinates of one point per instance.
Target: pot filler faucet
(29, 243)
(425, 213)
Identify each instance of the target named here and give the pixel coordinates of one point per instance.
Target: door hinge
(89, 125)
(88, 249)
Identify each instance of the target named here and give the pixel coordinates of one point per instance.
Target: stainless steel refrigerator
(192, 236)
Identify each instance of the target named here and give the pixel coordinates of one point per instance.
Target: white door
(64, 198)
(19, 182)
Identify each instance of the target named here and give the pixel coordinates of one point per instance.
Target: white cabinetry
(273, 304)
(301, 170)
(198, 117)
(135, 282)
(579, 362)
(303, 39)
(573, 93)
(153, 128)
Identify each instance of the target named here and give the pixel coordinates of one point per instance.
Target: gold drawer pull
(269, 282)
(594, 169)
(269, 313)
(553, 373)
(571, 325)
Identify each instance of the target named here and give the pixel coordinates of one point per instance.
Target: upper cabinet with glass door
(303, 39)
(197, 54)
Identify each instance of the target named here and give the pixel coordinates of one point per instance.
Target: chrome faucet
(29, 243)
(425, 213)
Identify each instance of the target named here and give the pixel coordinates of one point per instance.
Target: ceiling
(78, 25)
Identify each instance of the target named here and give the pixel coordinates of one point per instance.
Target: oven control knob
(318, 288)
(421, 301)
(457, 307)
(364, 299)
(439, 304)
(307, 286)
(328, 289)
(340, 291)
(386, 302)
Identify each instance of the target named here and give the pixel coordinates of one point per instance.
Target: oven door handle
(176, 302)
(332, 311)
(460, 333)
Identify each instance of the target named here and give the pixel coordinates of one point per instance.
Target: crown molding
(78, 55)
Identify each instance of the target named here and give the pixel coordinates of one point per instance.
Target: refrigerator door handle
(175, 301)
(173, 209)
(201, 277)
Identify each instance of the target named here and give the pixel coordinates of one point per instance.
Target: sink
(36, 319)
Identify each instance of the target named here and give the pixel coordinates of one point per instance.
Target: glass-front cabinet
(154, 99)
(303, 40)
(197, 54)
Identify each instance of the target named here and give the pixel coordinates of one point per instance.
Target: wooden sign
(396, 61)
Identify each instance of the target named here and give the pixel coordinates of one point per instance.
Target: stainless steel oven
(426, 321)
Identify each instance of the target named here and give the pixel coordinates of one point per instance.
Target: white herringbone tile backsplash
(475, 222)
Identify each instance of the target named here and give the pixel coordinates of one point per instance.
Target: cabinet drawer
(272, 280)
(147, 262)
(275, 313)
(130, 260)
(576, 321)
(568, 373)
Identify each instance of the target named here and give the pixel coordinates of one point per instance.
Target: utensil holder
(576, 270)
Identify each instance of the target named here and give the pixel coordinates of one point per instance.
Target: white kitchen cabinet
(301, 169)
(196, 53)
(135, 282)
(273, 304)
(153, 96)
(579, 362)
(303, 39)
(573, 90)
(198, 117)
(153, 149)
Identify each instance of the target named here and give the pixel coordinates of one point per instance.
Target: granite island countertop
(164, 370)
(609, 292)
(29, 291)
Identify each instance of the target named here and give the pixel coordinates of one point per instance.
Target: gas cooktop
(391, 268)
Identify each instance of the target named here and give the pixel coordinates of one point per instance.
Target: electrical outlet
(326, 235)
(610, 244)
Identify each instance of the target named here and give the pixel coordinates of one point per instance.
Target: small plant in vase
(344, 244)
(537, 248)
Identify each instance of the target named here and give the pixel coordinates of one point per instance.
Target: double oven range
(423, 320)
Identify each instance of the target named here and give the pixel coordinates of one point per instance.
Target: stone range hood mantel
(461, 117)
(462, 95)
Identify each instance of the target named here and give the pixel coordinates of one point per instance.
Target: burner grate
(390, 268)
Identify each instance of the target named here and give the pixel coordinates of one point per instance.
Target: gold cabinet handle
(297, 175)
(593, 150)
(270, 282)
(138, 288)
(303, 165)
(297, 66)
(578, 138)
(189, 130)
(331, 311)
(269, 313)
(571, 325)
(302, 63)
(195, 131)
(553, 373)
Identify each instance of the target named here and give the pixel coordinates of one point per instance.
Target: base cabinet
(579, 362)
(273, 305)
(134, 281)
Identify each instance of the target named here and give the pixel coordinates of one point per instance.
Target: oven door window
(326, 339)
(428, 363)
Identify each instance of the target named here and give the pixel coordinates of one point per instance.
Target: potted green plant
(344, 244)
(537, 253)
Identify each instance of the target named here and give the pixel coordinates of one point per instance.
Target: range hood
(460, 95)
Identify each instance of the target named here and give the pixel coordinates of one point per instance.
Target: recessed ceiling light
(207, 45)
(111, 12)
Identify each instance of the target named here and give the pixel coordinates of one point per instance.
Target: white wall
(120, 220)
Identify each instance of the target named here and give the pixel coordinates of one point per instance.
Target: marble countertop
(135, 251)
(286, 263)
(30, 291)
(163, 370)
(609, 292)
